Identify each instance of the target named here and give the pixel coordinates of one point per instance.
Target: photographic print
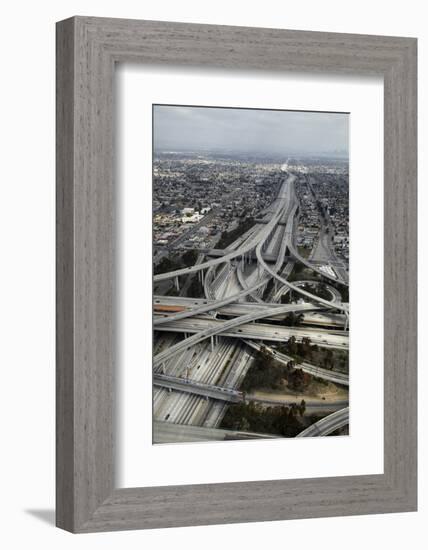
(250, 274)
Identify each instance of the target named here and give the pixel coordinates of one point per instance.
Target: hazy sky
(249, 130)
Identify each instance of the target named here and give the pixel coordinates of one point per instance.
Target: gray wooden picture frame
(87, 50)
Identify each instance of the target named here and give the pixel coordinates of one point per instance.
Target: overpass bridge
(259, 237)
(264, 221)
(261, 240)
(258, 242)
(229, 395)
(169, 432)
(169, 304)
(220, 253)
(288, 241)
(204, 326)
(197, 388)
(328, 424)
(318, 372)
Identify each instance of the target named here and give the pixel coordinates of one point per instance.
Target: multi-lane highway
(166, 304)
(193, 385)
(203, 328)
(197, 388)
(260, 236)
(230, 395)
(169, 432)
(238, 328)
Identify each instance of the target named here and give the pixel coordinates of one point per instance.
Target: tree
(245, 425)
(196, 289)
(189, 257)
(305, 347)
(292, 319)
(328, 359)
(163, 266)
(291, 345)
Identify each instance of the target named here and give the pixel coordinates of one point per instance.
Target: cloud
(184, 128)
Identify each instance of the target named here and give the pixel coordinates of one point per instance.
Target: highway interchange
(196, 377)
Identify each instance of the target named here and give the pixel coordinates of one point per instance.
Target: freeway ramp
(167, 432)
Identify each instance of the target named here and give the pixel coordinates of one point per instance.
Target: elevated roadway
(203, 328)
(328, 424)
(312, 406)
(261, 236)
(336, 297)
(217, 328)
(220, 253)
(168, 432)
(243, 252)
(318, 372)
(310, 265)
(226, 326)
(230, 395)
(288, 240)
(197, 388)
(313, 316)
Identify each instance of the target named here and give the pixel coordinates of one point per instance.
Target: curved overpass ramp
(218, 328)
(328, 424)
(247, 247)
(308, 295)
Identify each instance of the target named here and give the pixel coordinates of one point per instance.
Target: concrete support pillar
(177, 283)
(212, 344)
